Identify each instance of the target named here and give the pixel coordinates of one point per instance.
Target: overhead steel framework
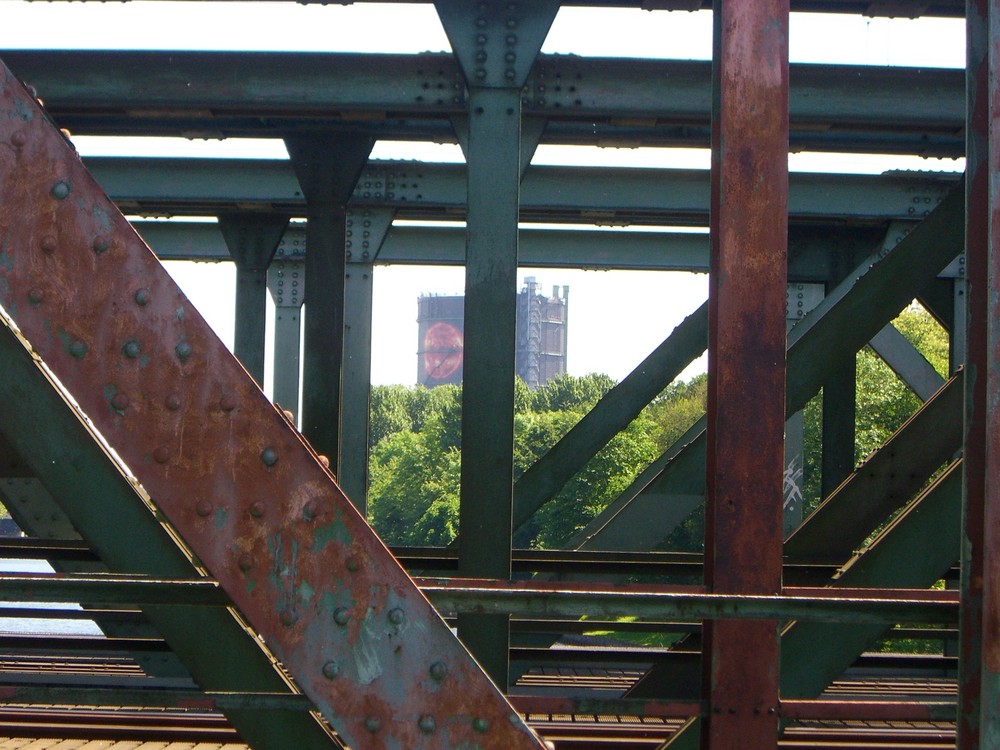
(225, 556)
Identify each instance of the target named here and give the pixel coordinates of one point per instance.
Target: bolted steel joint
(203, 508)
(373, 724)
(183, 351)
(342, 616)
(78, 349)
(397, 616)
(269, 456)
(427, 724)
(330, 670)
(438, 671)
(481, 725)
(131, 348)
(142, 297)
(61, 190)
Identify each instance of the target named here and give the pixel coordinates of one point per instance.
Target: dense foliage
(416, 433)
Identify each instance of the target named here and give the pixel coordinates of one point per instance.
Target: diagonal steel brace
(222, 465)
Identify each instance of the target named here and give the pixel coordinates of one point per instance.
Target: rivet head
(173, 402)
(427, 724)
(119, 402)
(373, 724)
(397, 616)
(480, 73)
(77, 349)
(353, 563)
(131, 349)
(161, 455)
(310, 510)
(101, 244)
(60, 191)
(438, 670)
(227, 402)
(19, 139)
(257, 509)
(341, 616)
(245, 561)
(269, 456)
(142, 297)
(289, 617)
(36, 296)
(48, 244)
(330, 670)
(481, 725)
(203, 508)
(183, 351)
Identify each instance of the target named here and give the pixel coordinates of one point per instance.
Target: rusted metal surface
(246, 494)
(746, 404)
(656, 603)
(977, 226)
(988, 307)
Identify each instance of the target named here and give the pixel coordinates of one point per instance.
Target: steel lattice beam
(228, 472)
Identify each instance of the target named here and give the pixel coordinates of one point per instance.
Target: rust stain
(222, 464)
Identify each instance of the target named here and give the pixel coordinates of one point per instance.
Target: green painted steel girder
(844, 322)
(893, 473)
(554, 194)
(947, 8)
(594, 101)
(536, 601)
(813, 251)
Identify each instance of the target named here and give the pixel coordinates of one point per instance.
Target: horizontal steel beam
(553, 194)
(593, 101)
(813, 251)
(523, 599)
(947, 8)
(152, 698)
(111, 589)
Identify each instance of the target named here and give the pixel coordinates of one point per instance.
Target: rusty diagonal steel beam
(224, 468)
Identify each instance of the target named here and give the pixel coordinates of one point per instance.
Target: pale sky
(603, 305)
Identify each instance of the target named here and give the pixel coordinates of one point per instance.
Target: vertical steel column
(496, 44)
(286, 280)
(366, 232)
(252, 240)
(977, 230)
(746, 398)
(327, 167)
(988, 304)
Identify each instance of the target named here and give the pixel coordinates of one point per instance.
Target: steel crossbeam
(223, 467)
(591, 101)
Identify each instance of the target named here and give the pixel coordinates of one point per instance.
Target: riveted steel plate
(222, 465)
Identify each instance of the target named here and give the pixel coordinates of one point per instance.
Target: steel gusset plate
(222, 465)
